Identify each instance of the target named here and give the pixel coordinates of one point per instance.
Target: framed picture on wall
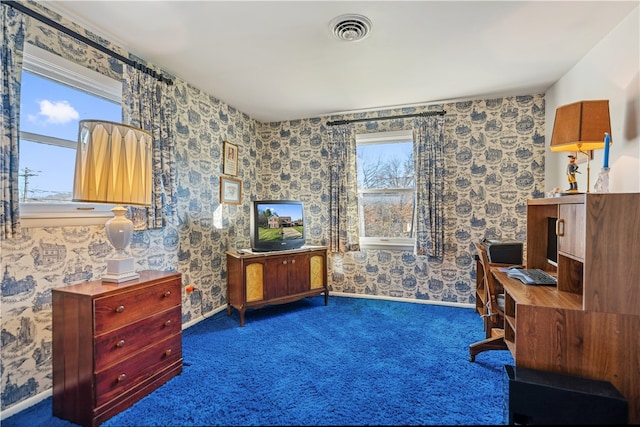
(230, 159)
(230, 190)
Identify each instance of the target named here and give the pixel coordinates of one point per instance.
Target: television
(552, 242)
(277, 225)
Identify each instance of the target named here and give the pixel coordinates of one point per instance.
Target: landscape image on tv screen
(278, 222)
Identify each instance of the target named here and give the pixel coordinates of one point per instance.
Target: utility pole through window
(26, 174)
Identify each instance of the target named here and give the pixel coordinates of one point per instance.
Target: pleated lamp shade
(581, 126)
(113, 164)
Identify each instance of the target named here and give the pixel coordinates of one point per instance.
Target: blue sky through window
(54, 109)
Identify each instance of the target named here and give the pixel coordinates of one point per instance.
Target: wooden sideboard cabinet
(114, 343)
(589, 325)
(258, 279)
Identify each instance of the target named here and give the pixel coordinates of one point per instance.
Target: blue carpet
(353, 362)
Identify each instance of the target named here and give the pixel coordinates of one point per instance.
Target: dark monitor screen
(552, 242)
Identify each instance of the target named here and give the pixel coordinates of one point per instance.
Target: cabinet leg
(228, 309)
(326, 297)
(242, 317)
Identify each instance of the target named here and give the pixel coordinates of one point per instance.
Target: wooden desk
(548, 329)
(589, 326)
(518, 296)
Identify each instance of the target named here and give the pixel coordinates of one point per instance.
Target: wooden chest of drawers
(114, 343)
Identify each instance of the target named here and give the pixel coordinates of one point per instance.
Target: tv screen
(277, 225)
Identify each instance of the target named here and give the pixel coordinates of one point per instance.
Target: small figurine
(572, 169)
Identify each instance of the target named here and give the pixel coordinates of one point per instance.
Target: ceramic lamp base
(120, 270)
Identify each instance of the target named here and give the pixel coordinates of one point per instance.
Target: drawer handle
(293, 261)
(167, 323)
(167, 294)
(284, 262)
(167, 352)
(120, 309)
(120, 343)
(121, 377)
(560, 227)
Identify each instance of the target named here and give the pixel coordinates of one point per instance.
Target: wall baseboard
(192, 322)
(27, 403)
(397, 299)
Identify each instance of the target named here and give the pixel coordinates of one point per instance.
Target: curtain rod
(60, 27)
(371, 119)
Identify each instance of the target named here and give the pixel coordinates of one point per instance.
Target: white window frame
(49, 65)
(374, 243)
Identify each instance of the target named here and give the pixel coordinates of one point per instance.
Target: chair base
(496, 342)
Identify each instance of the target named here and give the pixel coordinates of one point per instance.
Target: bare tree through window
(386, 189)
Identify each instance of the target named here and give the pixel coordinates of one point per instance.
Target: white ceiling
(278, 60)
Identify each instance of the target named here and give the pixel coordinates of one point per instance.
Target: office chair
(493, 308)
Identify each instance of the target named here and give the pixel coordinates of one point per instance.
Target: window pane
(387, 215)
(50, 108)
(385, 188)
(42, 178)
(385, 165)
(53, 109)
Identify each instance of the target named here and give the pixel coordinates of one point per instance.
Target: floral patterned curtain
(429, 175)
(146, 104)
(13, 27)
(343, 190)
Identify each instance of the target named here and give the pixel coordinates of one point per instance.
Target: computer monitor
(552, 242)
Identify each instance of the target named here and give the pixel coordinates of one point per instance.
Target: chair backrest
(493, 292)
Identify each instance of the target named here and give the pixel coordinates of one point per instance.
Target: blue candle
(607, 141)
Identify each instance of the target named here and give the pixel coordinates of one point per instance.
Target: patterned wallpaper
(495, 162)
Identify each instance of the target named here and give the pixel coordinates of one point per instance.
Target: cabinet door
(317, 270)
(275, 278)
(571, 230)
(254, 280)
(299, 276)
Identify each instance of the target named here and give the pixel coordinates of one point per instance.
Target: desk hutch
(589, 325)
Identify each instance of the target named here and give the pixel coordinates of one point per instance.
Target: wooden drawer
(127, 374)
(118, 310)
(114, 346)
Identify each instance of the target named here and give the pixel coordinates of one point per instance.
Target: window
(55, 95)
(386, 190)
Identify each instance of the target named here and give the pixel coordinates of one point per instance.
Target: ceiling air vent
(350, 28)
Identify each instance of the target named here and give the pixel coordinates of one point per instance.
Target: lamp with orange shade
(581, 127)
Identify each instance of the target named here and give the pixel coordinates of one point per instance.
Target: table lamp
(113, 165)
(581, 127)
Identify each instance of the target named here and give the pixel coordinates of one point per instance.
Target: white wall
(609, 71)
